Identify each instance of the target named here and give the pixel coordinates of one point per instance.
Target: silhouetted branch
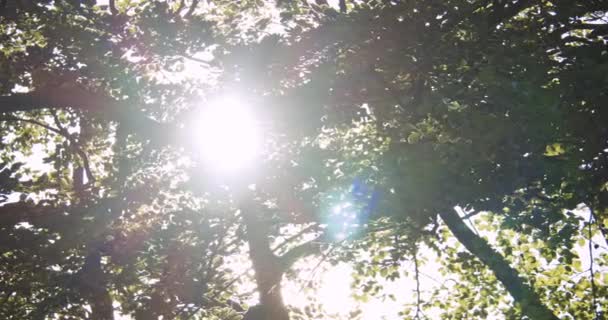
(77, 97)
(61, 131)
(93, 283)
(343, 6)
(591, 271)
(191, 9)
(323, 258)
(13, 213)
(194, 59)
(521, 292)
(59, 97)
(294, 237)
(77, 147)
(470, 215)
(180, 7)
(40, 124)
(417, 278)
(112, 5)
(301, 251)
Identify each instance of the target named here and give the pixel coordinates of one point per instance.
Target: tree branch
(77, 147)
(343, 6)
(62, 132)
(180, 7)
(301, 251)
(594, 308)
(191, 9)
(112, 5)
(185, 56)
(94, 286)
(294, 237)
(76, 97)
(40, 124)
(59, 97)
(267, 267)
(13, 213)
(523, 294)
(470, 215)
(417, 278)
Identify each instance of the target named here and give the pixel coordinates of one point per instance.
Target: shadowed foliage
(467, 132)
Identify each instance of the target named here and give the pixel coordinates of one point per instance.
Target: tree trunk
(268, 271)
(94, 285)
(521, 292)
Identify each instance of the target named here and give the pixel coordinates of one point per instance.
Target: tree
(394, 111)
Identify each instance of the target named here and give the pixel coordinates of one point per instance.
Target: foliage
(380, 118)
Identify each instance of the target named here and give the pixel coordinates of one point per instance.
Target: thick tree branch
(59, 97)
(112, 5)
(342, 6)
(180, 7)
(93, 283)
(522, 293)
(38, 123)
(39, 215)
(78, 98)
(192, 8)
(268, 271)
(470, 215)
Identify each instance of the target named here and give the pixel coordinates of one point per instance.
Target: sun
(227, 135)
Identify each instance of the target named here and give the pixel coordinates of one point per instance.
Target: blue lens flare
(354, 209)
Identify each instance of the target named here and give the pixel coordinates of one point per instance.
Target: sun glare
(228, 135)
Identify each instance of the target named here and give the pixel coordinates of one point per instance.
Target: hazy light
(227, 135)
(343, 220)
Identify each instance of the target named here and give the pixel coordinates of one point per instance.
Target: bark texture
(522, 293)
(94, 287)
(268, 271)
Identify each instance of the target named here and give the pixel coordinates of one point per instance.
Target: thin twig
(316, 267)
(323, 258)
(224, 287)
(294, 237)
(217, 293)
(591, 272)
(194, 59)
(417, 277)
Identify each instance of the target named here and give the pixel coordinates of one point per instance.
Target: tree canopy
(160, 157)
